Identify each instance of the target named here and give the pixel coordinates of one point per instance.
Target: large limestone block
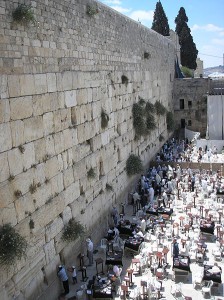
(23, 277)
(68, 143)
(35, 287)
(48, 123)
(8, 215)
(49, 251)
(51, 82)
(59, 142)
(70, 98)
(96, 109)
(53, 228)
(52, 167)
(4, 167)
(95, 142)
(15, 160)
(71, 193)
(49, 141)
(82, 113)
(51, 270)
(40, 150)
(4, 110)
(39, 105)
(87, 130)
(24, 205)
(21, 108)
(17, 131)
(5, 137)
(22, 181)
(5, 275)
(80, 151)
(42, 195)
(57, 184)
(59, 243)
(122, 128)
(80, 170)
(70, 157)
(67, 83)
(27, 85)
(66, 215)
(33, 128)
(6, 194)
(64, 156)
(4, 87)
(82, 96)
(14, 86)
(68, 177)
(29, 155)
(105, 137)
(40, 82)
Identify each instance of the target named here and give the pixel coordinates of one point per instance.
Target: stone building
(78, 62)
(190, 104)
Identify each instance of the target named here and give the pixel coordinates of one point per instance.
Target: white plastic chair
(207, 288)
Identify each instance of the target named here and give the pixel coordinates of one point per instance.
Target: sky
(205, 19)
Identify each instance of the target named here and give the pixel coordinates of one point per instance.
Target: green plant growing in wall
(72, 231)
(18, 194)
(91, 10)
(33, 187)
(187, 72)
(138, 113)
(31, 224)
(124, 80)
(161, 138)
(159, 108)
(23, 14)
(170, 121)
(109, 187)
(147, 55)
(104, 119)
(91, 173)
(150, 122)
(21, 148)
(12, 245)
(133, 165)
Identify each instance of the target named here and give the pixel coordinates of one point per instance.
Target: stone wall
(56, 78)
(194, 94)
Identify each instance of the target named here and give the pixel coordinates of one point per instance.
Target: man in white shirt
(89, 244)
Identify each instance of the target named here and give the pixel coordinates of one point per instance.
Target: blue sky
(205, 19)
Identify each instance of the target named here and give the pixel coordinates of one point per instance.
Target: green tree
(160, 21)
(188, 50)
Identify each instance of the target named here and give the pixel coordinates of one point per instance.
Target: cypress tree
(160, 21)
(188, 50)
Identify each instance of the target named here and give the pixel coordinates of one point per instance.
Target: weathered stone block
(27, 86)
(48, 123)
(59, 142)
(52, 167)
(40, 83)
(70, 98)
(5, 137)
(14, 86)
(51, 82)
(53, 228)
(4, 87)
(49, 143)
(8, 215)
(15, 160)
(28, 156)
(49, 251)
(24, 205)
(57, 184)
(21, 108)
(4, 110)
(17, 131)
(81, 96)
(71, 193)
(68, 177)
(33, 128)
(4, 167)
(66, 215)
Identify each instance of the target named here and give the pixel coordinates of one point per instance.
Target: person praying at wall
(62, 275)
(89, 244)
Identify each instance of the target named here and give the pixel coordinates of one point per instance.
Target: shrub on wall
(91, 173)
(187, 72)
(133, 165)
(12, 245)
(104, 119)
(92, 10)
(143, 118)
(23, 14)
(160, 108)
(72, 231)
(170, 121)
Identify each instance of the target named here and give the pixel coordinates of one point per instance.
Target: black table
(102, 291)
(133, 243)
(182, 263)
(126, 229)
(208, 275)
(207, 228)
(114, 258)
